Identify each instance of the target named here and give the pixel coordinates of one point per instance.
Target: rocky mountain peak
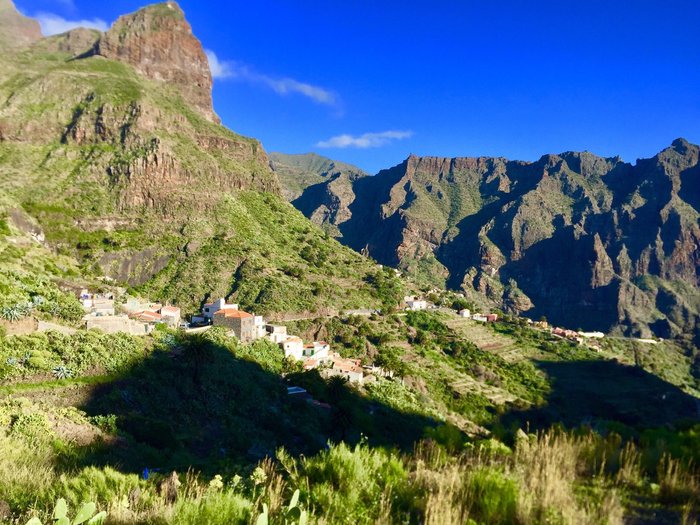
(16, 30)
(158, 42)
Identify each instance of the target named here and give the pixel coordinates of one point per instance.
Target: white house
(259, 327)
(276, 333)
(480, 318)
(465, 313)
(318, 350)
(209, 309)
(171, 315)
(417, 304)
(592, 335)
(293, 346)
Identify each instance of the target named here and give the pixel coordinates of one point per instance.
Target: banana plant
(86, 514)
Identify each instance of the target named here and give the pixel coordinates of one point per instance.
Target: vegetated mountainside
(110, 150)
(318, 186)
(589, 242)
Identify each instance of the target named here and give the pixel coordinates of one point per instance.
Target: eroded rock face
(153, 173)
(16, 30)
(587, 241)
(75, 42)
(158, 41)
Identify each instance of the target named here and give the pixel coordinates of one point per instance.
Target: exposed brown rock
(572, 236)
(16, 30)
(158, 42)
(74, 42)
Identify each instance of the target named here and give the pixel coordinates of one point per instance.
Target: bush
(494, 497)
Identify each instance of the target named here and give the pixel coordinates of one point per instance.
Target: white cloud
(367, 140)
(54, 24)
(223, 69)
(218, 69)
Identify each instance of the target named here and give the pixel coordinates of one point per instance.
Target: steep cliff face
(121, 165)
(587, 241)
(319, 187)
(158, 42)
(16, 30)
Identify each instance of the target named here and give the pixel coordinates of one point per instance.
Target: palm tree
(197, 351)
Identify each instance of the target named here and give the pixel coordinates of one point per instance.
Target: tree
(197, 351)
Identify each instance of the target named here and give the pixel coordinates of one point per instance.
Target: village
(141, 318)
(138, 317)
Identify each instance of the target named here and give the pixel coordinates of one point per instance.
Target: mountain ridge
(496, 226)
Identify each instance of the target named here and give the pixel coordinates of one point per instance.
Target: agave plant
(86, 514)
(12, 313)
(62, 372)
(38, 300)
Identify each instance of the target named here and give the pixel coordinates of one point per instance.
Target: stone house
(241, 323)
(350, 369)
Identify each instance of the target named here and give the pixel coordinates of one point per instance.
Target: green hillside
(125, 180)
(443, 440)
(114, 179)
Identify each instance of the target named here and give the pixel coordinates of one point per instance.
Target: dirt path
(45, 326)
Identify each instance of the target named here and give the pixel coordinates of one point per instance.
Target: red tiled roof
(346, 365)
(233, 314)
(146, 316)
(169, 310)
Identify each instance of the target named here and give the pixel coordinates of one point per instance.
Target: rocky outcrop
(158, 42)
(75, 42)
(16, 30)
(587, 241)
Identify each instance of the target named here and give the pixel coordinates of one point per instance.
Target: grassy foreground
(466, 432)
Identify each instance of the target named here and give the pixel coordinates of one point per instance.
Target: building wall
(242, 327)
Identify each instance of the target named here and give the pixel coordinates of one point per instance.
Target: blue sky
(369, 82)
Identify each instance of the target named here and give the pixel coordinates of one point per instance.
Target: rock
(158, 41)
(75, 42)
(571, 235)
(16, 30)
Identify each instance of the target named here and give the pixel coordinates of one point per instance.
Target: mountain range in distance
(589, 242)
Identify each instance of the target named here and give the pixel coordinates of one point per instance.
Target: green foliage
(495, 497)
(31, 428)
(22, 294)
(105, 485)
(348, 483)
(216, 508)
(388, 288)
(86, 514)
(69, 355)
(392, 358)
(395, 394)
(4, 228)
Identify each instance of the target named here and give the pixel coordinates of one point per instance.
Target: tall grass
(552, 477)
